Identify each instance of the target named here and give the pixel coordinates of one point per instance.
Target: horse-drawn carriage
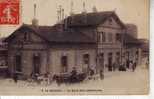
(59, 78)
(69, 78)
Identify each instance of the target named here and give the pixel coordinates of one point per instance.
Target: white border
(151, 94)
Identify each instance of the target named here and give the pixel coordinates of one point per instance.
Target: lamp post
(99, 57)
(123, 47)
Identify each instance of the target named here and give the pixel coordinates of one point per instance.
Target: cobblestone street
(114, 83)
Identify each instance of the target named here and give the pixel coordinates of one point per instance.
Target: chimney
(35, 21)
(58, 16)
(65, 22)
(62, 14)
(84, 8)
(84, 13)
(71, 11)
(94, 9)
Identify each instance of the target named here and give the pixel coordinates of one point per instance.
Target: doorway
(18, 66)
(86, 61)
(110, 62)
(36, 63)
(101, 61)
(64, 63)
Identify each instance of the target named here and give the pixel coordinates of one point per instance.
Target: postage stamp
(9, 12)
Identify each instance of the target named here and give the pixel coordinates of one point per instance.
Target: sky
(129, 11)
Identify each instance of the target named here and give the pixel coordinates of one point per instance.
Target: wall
(110, 26)
(75, 58)
(132, 54)
(27, 60)
(33, 44)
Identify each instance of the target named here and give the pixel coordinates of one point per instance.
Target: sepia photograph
(74, 47)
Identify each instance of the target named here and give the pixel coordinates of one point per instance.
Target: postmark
(9, 12)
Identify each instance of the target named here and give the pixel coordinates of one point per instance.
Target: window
(118, 57)
(18, 63)
(26, 37)
(127, 54)
(110, 37)
(64, 63)
(36, 63)
(101, 55)
(118, 54)
(86, 58)
(118, 37)
(101, 37)
(110, 21)
(137, 55)
(110, 54)
(110, 59)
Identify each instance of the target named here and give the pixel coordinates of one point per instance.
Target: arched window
(64, 63)
(36, 63)
(86, 58)
(118, 37)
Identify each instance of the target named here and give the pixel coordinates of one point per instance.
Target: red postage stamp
(9, 12)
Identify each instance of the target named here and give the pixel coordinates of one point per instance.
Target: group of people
(123, 66)
(131, 65)
(90, 73)
(34, 77)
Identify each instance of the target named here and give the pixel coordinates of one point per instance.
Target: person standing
(114, 66)
(74, 75)
(101, 74)
(134, 66)
(15, 77)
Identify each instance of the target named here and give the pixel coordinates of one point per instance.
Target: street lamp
(123, 48)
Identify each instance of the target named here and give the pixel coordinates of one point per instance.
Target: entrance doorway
(117, 59)
(101, 61)
(64, 63)
(18, 66)
(127, 59)
(36, 63)
(86, 61)
(110, 62)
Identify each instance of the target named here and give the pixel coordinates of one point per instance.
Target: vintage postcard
(74, 47)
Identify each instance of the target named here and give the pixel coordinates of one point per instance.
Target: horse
(69, 79)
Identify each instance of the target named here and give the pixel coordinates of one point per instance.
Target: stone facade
(110, 47)
(50, 57)
(41, 49)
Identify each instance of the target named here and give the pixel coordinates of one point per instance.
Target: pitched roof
(51, 34)
(91, 19)
(54, 35)
(128, 39)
